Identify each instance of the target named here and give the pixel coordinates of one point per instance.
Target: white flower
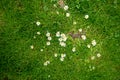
(93, 42)
(98, 55)
(62, 59)
(58, 34)
(55, 55)
(34, 37)
(55, 5)
(67, 14)
(60, 39)
(49, 38)
(45, 64)
(63, 55)
(74, 23)
(38, 23)
(80, 30)
(57, 12)
(31, 46)
(63, 44)
(38, 33)
(93, 67)
(48, 43)
(63, 36)
(86, 16)
(83, 37)
(88, 45)
(66, 7)
(47, 34)
(41, 50)
(73, 49)
(48, 75)
(93, 57)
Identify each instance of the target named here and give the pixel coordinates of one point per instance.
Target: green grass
(17, 28)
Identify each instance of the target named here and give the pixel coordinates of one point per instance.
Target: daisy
(45, 64)
(47, 34)
(38, 33)
(57, 12)
(83, 37)
(32, 47)
(74, 23)
(86, 16)
(66, 7)
(98, 55)
(88, 45)
(48, 43)
(60, 39)
(73, 49)
(58, 34)
(48, 62)
(63, 44)
(34, 37)
(80, 30)
(49, 38)
(38, 23)
(55, 55)
(93, 57)
(67, 14)
(93, 42)
(41, 50)
(61, 59)
(63, 55)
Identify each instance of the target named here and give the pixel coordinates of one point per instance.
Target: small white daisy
(58, 34)
(57, 12)
(47, 34)
(88, 45)
(49, 38)
(80, 30)
(74, 23)
(98, 55)
(66, 7)
(32, 47)
(63, 44)
(63, 55)
(83, 37)
(86, 16)
(93, 42)
(45, 63)
(34, 37)
(55, 5)
(73, 49)
(48, 76)
(60, 39)
(38, 23)
(48, 43)
(41, 50)
(38, 33)
(67, 14)
(48, 62)
(93, 57)
(61, 59)
(55, 54)
(93, 68)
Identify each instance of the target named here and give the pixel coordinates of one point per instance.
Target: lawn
(53, 40)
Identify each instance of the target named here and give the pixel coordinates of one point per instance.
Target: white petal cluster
(48, 43)
(88, 45)
(38, 23)
(38, 33)
(98, 55)
(73, 49)
(74, 23)
(83, 37)
(66, 7)
(94, 42)
(80, 30)
(86, 16)
(49, 38)
(32, 47)
(62, 57)
(67, 14)
(55, 55)
(46, 63)
(93, 57)
(47, 34)
(61, 38)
